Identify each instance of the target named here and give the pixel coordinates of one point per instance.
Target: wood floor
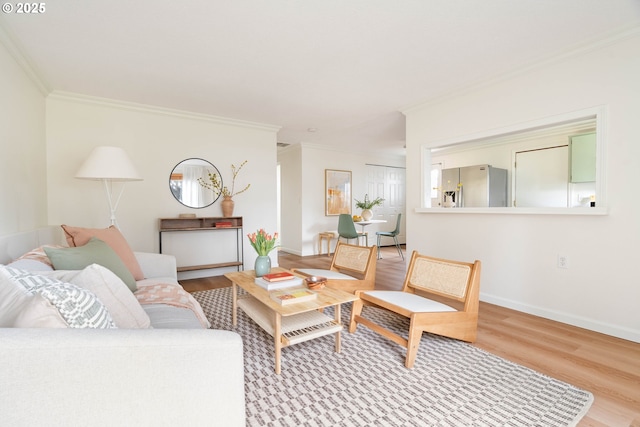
(608, 367)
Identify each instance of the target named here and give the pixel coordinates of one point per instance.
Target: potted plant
(366, 205)
(227, 203)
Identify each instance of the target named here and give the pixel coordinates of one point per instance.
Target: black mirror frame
(173, 187)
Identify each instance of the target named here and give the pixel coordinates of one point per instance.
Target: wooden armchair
(451, 281)
(352, 268)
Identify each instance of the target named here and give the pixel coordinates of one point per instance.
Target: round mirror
(186, 183)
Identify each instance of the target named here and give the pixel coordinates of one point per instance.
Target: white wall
(600, 288)
(23, 179)
(306, 210)
(156, 140)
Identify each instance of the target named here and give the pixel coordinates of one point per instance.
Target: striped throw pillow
(78, 307)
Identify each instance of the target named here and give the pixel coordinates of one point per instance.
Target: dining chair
(393, 234)
(347, 229)
(438, 296)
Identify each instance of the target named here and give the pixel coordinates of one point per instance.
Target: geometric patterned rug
(366, 384)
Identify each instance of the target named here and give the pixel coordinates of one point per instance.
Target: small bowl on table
(315, 283)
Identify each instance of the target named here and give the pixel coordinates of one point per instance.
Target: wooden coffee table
(288, 324)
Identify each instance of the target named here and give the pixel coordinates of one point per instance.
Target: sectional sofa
(155, 364)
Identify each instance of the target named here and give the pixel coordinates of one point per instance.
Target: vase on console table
(227, 206)
(262, 265)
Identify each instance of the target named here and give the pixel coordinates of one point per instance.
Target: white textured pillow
(78, 307)
(38, 312)
(111, 291)
(13, 298)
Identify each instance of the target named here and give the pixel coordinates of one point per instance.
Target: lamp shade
(110, 163)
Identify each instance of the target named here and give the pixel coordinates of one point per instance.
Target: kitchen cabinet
(583, 157)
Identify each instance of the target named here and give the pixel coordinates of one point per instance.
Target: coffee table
(287, 324)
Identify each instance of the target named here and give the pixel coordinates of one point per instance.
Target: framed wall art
(337, 192)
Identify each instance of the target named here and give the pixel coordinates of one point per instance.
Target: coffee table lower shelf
(288, 324)
(296, 328)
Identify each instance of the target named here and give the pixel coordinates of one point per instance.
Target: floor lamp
(109, 165)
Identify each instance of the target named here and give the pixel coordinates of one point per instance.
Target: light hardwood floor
(608, 367)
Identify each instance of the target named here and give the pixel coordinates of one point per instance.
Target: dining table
(363, 224)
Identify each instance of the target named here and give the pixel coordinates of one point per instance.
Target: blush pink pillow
(78, 236)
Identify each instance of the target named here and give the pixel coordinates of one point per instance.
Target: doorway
(389, 183)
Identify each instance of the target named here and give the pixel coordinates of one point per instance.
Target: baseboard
(570, 319)
(290, 251)
(207, 272)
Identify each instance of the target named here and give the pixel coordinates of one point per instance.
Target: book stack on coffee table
(279, 280)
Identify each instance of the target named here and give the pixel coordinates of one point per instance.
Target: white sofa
(119, 377)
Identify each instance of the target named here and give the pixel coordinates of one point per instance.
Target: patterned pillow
(78, 307)
(121, 303)
(38, 254)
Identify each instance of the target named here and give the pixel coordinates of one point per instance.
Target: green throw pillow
(94, 252)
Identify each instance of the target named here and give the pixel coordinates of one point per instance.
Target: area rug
(451, 384)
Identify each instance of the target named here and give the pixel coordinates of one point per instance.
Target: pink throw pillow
(78, 236)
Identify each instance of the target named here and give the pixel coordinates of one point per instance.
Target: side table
(328, 235)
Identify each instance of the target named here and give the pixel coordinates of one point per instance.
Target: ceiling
(344, 68)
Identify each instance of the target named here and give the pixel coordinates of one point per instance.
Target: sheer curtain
(193, 194)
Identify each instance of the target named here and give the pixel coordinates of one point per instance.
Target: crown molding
(133, 106)
(589, 46)
(17, 52)
(340, 149)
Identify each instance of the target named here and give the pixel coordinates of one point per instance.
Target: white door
(541, 178)
(390, 184)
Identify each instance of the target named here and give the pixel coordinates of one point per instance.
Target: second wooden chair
(428, 281)
(352, 268)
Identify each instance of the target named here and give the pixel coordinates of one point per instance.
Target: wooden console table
(167, 225)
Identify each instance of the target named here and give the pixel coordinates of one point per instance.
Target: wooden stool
(325, 235)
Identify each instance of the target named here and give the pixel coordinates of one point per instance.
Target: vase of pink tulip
(263, 243)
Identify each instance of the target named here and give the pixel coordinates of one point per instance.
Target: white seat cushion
(411, 302)
(325, 273)
(164, 316)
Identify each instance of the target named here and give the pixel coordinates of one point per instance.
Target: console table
(167, 225)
